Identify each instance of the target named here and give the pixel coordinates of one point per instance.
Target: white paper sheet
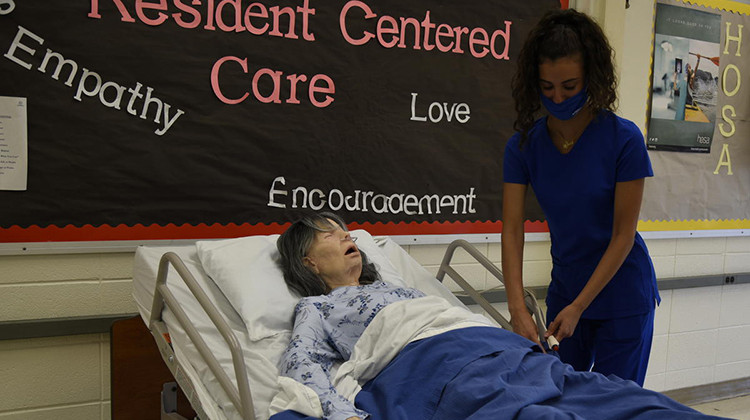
(13, 143)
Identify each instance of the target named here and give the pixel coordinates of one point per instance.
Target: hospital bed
(221, 314)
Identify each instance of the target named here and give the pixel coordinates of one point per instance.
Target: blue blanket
(461, 375)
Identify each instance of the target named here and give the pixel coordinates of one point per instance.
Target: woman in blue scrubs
(587, 167)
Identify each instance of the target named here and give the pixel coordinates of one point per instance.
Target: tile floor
(733, 408)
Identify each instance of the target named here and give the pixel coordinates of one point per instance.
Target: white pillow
(247, 271)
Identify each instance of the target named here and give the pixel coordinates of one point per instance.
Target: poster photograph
(685, 79)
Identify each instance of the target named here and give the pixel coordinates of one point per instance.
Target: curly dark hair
(563, 33)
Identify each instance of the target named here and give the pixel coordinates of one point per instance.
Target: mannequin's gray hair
(294, 244)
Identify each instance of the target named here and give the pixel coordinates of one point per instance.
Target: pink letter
(329, 89)
(443, 30)
(391, 29)
(459, 30)
(140, 5)
(427, 25)
(263, 13)
(276, 13)
(237, 27)
(415, 23)
(506, 36)
(276, 76)
(94, 13)
(215, 79)
(189, 10)
(342, 22)
(293, 79)
(305, 11)
(209, 26)
(473, 40)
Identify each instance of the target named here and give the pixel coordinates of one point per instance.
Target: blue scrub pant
(619, 346)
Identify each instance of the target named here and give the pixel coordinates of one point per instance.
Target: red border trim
(72, 233)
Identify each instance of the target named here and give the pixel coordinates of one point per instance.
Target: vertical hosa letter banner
(151, 119)
(698, 131)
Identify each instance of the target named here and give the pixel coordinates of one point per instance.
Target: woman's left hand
(565, 323)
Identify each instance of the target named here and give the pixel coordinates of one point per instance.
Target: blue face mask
(568, 108)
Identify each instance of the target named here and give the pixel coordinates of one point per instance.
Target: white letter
(456, 200)
(330, 199)
(364, 200)
(118, 95)
(151, 100)
(385, 204)
(303, 190)
(356, 201)
(439, 108)
(413, 109)
(322, 199)
(400, 201)
(17, 44)
(428, 198)
(6, 6)
(471, 197)
(168, 121)
(463, 113)
(274, 191)
(82, 84)
(134, 94)
(61, 61)
(447, 201)
(410, 201)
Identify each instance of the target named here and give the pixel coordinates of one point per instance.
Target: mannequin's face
(334, 257)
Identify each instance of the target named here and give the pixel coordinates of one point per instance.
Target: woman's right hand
(525, 326)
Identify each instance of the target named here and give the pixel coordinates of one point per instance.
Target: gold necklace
(566, 145)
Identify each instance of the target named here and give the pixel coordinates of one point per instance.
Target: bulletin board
(167, 120)
(699, 118)
(171, 119)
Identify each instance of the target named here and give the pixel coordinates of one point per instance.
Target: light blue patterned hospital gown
(326, 328)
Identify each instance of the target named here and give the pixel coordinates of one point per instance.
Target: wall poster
(699, 117)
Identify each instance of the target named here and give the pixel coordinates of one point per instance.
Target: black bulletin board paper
(173, 113)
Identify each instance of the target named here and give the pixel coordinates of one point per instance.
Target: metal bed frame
(241, 395)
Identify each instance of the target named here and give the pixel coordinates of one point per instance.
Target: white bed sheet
(261, 356)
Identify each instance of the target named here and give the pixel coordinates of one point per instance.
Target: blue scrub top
(576, 192)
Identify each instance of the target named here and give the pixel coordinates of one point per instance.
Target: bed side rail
(529, 298)
(240, 396)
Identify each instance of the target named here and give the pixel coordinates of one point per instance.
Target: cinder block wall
(60, 377)
(63, 378)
